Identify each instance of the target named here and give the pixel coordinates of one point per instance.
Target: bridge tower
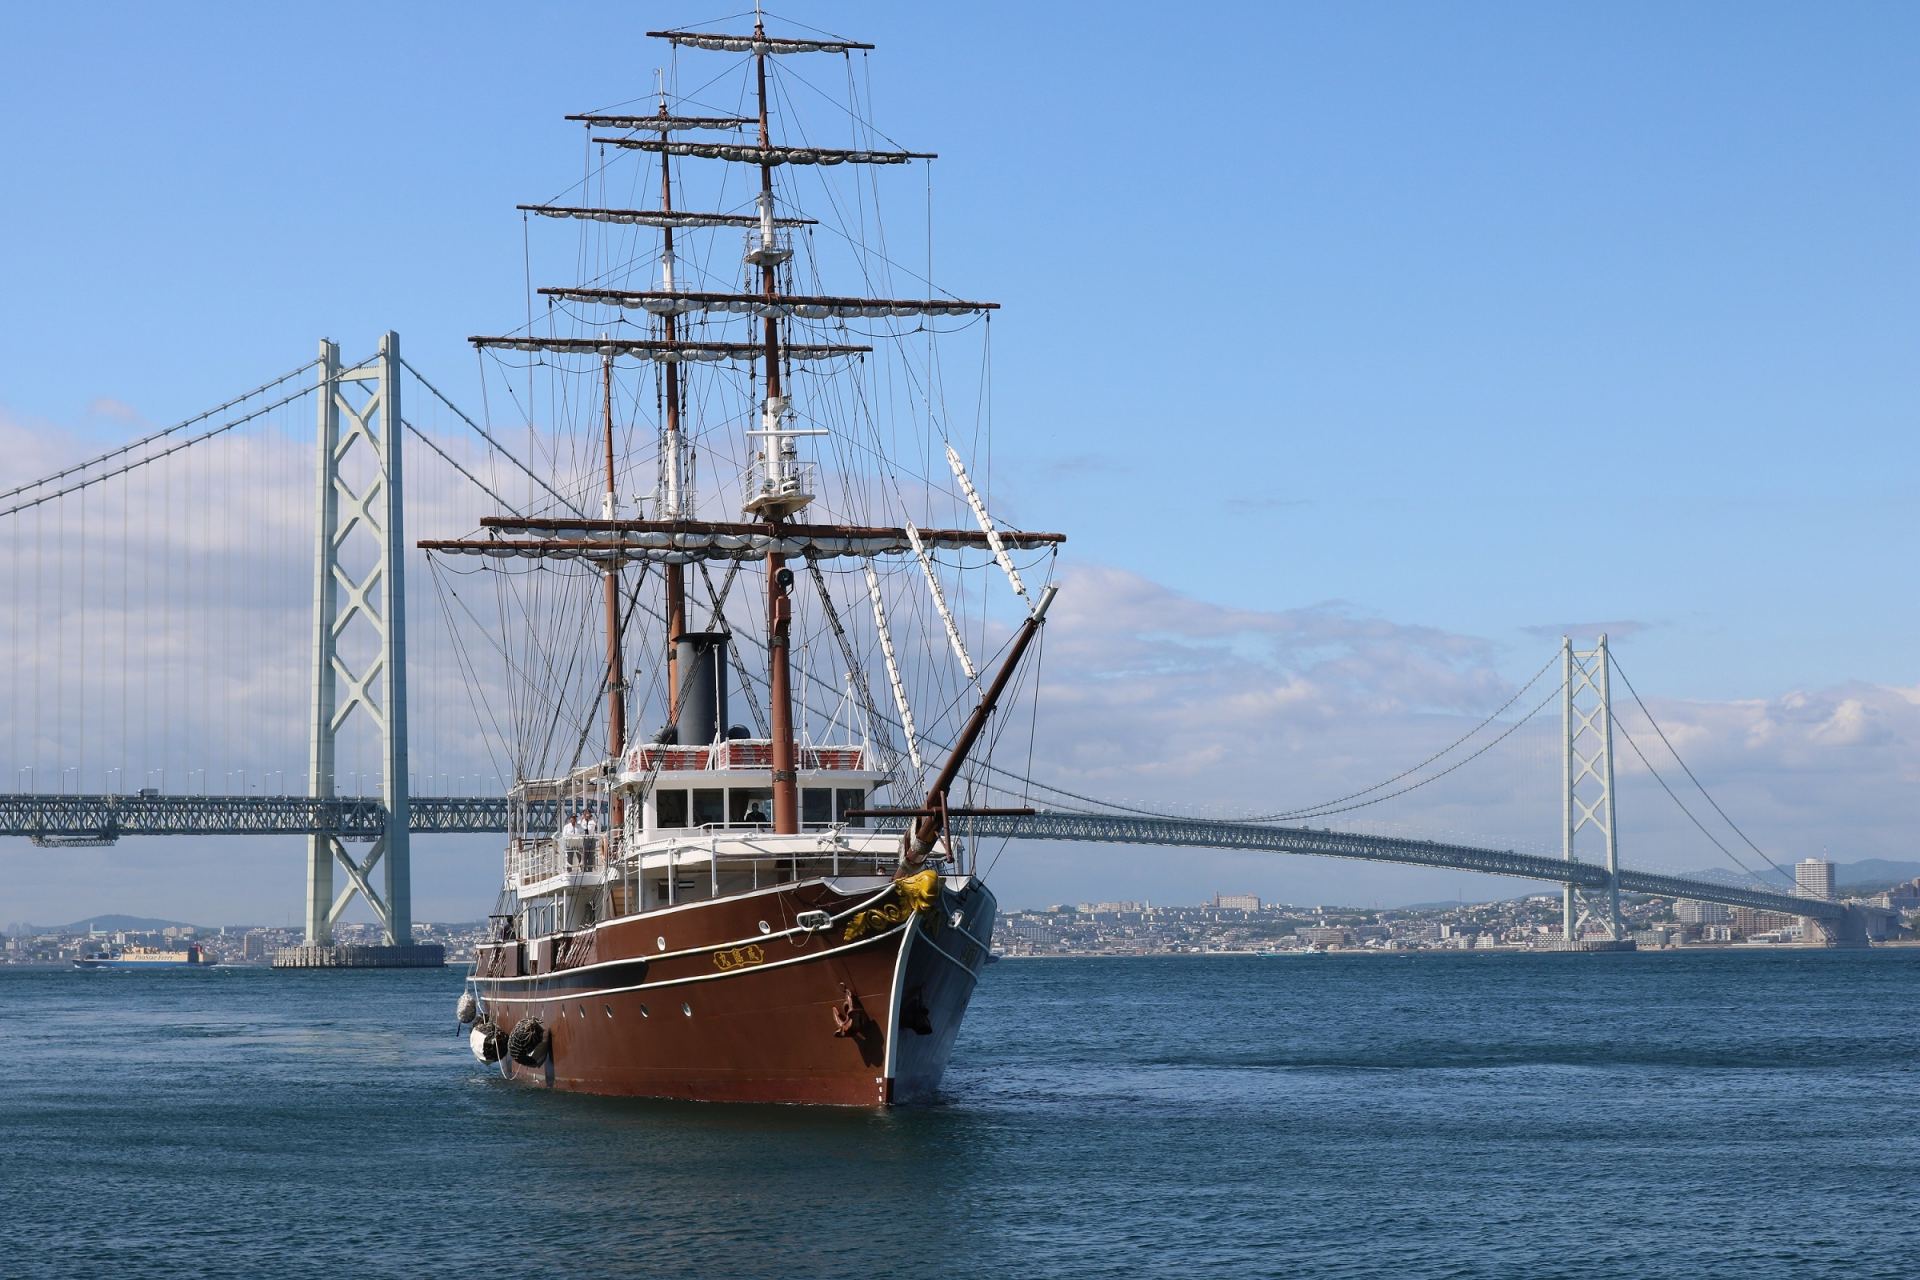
(359, 409)
(1586, 719)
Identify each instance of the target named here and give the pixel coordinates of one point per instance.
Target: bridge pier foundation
(1848, 931)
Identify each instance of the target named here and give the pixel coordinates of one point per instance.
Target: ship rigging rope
(926, 391)
(513, 668)
(1033, 730)
(1689, 772)
(760, 721)
(626, 622)
(565, 681)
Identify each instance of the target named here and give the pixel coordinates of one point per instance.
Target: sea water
(1750, 1113)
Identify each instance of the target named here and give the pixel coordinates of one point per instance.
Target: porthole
(583, 1010)
(608, 1008)
(687, 1009)
(643, 1011)
(661, 943)
(765, 927)
(563, 1011)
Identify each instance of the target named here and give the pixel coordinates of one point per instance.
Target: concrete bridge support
(1586, 722)
(1854, 928)
(359, 577)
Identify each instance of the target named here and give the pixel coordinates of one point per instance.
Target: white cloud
(116, 410)
(1164, 701)
(1150, 697)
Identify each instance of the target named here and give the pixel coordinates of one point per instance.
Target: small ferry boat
(144, 958)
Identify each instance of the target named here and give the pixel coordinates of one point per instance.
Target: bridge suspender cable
(1691, 817)
(1328, 807)
(506, 506)
(483, 434)
(188, 443)
(160, 435)
(1691, 778)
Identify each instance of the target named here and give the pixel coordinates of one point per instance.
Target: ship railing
(741, 753)
(828, 857)
(767, 251)
(533, 859)
(778, 479)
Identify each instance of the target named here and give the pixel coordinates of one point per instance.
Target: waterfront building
(1324, 936)
(1813, 878)
(1687, 911)
(1031, 930)
(1901, 897)
(1237, 901)
(1748, 922)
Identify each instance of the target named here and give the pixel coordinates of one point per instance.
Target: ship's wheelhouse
(728, 786)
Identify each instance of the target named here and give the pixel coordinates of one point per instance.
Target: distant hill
(1868, 873)
(105, 923)
(1874, 873)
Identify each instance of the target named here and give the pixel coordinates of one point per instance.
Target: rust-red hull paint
(728, 1012)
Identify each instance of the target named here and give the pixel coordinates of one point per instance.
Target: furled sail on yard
(753, 521)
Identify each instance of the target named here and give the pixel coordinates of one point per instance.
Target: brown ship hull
(733, 1000)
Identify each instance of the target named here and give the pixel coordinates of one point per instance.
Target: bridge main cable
(182, 425)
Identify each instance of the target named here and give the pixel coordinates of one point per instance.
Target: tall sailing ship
(790, 910)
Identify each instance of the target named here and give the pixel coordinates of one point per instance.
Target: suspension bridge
(177, 547)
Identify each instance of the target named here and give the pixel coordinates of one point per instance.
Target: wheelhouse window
(670, 808)
(709, 807)
(851, 798)
(749, 806)
(816, 806)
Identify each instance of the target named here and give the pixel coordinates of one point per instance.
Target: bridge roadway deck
(56, 820)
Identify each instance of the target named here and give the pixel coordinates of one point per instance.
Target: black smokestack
(703, 702)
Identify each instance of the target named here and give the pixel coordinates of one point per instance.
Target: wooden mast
(616, 680)
(786, 789)
(676, 601)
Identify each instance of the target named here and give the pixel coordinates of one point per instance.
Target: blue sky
(1488, 318)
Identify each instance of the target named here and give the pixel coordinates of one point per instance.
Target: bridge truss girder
(364, 818)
